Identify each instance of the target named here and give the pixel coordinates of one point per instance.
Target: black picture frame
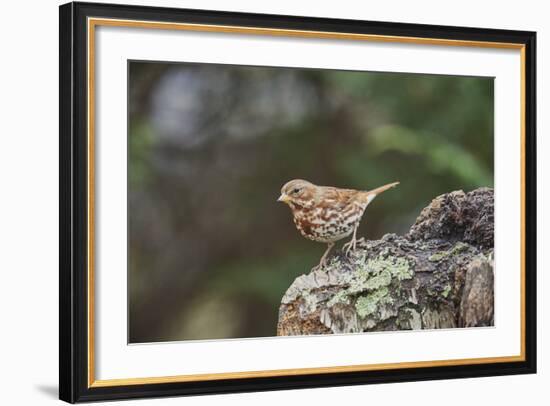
(74, 200)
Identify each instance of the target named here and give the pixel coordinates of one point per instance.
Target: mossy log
(438, 275)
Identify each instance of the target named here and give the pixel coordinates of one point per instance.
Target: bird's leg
(352, 244)
(323, 261)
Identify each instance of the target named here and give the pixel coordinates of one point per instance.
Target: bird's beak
(284, 198)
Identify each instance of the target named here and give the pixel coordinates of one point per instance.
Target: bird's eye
(296, 191)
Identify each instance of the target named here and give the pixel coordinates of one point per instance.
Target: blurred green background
(211, 251)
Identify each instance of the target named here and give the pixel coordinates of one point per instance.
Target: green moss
(379, 272)
(367, 305)
(402, 269)
(456, 249)
(438, 256)
(371, 279)
(378, 281)
(340, 297)
(446, 291)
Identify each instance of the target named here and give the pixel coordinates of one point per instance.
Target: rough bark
(438, 275)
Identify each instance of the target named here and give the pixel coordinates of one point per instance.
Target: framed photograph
(256, 202)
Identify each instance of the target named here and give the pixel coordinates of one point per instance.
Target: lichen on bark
(438, 275)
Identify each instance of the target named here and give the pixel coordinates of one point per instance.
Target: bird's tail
(381, 189)
(369, 195)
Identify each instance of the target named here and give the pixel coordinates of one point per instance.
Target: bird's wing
(337, 198)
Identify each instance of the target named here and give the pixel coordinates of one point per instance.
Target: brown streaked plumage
(328, 214)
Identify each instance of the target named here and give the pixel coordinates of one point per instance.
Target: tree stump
(438, 275)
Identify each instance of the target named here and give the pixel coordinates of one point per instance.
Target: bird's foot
(350, 246)
(324, 258)
(322, 265)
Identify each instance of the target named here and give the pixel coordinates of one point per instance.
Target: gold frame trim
(94, 22)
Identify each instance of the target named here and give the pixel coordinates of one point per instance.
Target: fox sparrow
(327, 214)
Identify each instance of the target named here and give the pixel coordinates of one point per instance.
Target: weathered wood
(439, 275)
